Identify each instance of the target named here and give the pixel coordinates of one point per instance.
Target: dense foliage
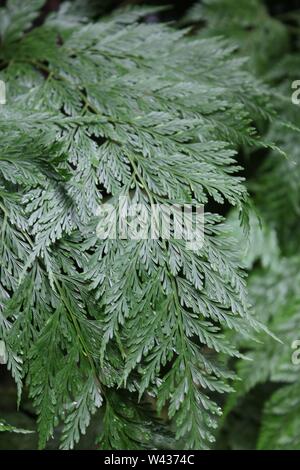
(272, 378)
(150, 333)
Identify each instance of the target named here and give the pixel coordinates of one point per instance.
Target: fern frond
(99, 111)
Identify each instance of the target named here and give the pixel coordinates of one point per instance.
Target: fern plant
(274, 293)
(97, 111)
(275, 187)
(272, 257)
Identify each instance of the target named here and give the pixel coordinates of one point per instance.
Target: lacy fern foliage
(97, 111)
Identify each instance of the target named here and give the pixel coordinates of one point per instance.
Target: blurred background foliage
(264, 413)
